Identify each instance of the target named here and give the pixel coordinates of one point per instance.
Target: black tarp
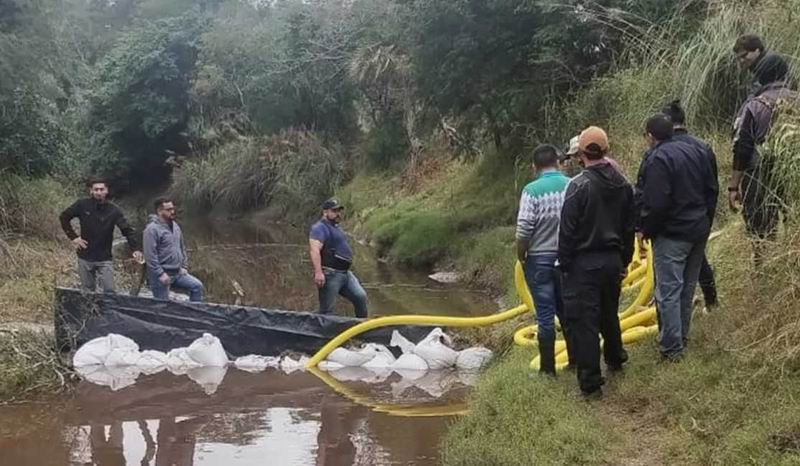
(163, 325)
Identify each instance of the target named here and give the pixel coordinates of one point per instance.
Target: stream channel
(267, 418)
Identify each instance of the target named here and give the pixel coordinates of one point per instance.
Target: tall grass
(293, 169)
(31, 207)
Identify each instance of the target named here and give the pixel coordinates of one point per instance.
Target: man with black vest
(332, 257)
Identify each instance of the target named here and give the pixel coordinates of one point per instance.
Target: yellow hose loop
(521, 286)
(392, 410)
(560, 347)
(339, 340)
(645, 294)
(635, 274)
(526, 336)
(635, 334)
(647, 316)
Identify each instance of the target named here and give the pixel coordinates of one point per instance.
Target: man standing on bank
(165, 254)
(752, 180)
(679, 199)
(678, 118)
(537, 248)
(98, 217)
(595, 245)
(332, 257)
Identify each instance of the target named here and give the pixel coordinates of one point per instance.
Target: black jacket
(683, 135)
(679, 195)
(97, 222)
(597, 216)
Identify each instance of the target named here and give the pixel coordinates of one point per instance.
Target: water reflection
(266, 418)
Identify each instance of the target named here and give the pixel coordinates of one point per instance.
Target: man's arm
(571, 213)
(744, 149)
(151, 252)
(712, 187)
(185, 263)
(656, 198)
(628, 229)
(525, 225)
(66, 217)
(315, 251)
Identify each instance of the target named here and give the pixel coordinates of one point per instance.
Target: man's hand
(183, 271)
(80, 243)
(642, 248)
(319, 279)
(138, 257)
(734, 199)
(164, 279)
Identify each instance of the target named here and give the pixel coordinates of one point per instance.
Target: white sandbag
(473, 358)
(179, 361)
(123, 357)
(96, 351)
(398, 340)
(208, 351)
(468, 378)
(289, 365)
(350, 358)
(256, 363)
(435, 352)
(328, 366)
(208, 377)
(410, 374)
(116, 378)
(383, 357)
(436, 383)
(410, 362)
(152, 362)
(352, 374)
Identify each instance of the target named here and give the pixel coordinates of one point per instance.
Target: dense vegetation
(418, 113)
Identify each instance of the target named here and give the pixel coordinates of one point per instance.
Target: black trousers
(591, 289)
(565, 330)
(707, 283)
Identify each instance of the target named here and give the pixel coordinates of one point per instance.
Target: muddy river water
(229, 417)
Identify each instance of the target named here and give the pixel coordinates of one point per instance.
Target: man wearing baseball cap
(332, 257)
(595, 244)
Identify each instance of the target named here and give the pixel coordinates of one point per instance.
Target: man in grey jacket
(165, 254)
(752, 182)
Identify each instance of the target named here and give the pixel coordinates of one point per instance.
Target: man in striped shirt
(537, 245)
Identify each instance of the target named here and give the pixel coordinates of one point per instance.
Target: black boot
(547, 357)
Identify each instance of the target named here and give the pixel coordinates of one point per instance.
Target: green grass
(519, 418)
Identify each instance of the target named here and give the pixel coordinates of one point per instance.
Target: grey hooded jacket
(164, 248)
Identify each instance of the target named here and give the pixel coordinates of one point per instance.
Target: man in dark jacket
(595, 245)
(98, 217)
(678, 201)
(678, 117)
(752, 178)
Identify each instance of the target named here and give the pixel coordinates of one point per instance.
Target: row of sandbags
(431, 353)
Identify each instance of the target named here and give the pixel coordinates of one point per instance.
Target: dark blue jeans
(540, 274)
(186, 282)
(345, 283)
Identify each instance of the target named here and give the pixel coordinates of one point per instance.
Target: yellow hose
(392, 410)
(339, 340)
(640, 318)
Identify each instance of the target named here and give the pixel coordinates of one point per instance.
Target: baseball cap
(332, 204)
(593, 140)
(573, 146)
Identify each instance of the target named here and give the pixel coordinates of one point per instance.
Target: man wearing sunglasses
(165, 254)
